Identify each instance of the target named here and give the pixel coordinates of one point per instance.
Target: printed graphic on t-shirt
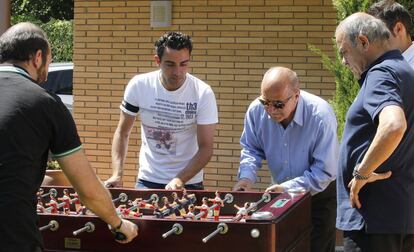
(160, 140)
(164, 120)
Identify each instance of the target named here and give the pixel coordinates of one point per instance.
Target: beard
(41, 74)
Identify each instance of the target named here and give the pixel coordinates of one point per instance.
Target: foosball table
(196, 221)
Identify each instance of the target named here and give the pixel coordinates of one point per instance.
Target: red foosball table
(267, 223)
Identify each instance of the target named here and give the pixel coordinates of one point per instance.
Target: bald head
(279, 78)
(21, 42)
(361, 23)
(280, 94)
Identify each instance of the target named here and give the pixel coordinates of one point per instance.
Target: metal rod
(222, 228)
(53, 226)
(176, 229)
(89, 227)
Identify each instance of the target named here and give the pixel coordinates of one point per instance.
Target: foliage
(43, 10)
(409, 5)
(57, 26)
(345, 8)
(60, 35)
(346, 85)
(53, 165)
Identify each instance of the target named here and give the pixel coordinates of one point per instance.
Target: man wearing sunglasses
(295, 132)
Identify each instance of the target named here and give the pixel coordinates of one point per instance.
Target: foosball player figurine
(40, 208)
(241, 212)
(141, 204)
(178, 204)
(157, 212)
(190, 198)
(122, 210)
(83, 210)
(134, 210)
(203, 208)
(76, 201)
(40, 192)
(66, 199)
(53, 205)
(167, 209)
(218, 204)
(190, 214)
(125, 212)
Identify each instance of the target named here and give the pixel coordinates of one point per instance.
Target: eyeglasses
(275, 104)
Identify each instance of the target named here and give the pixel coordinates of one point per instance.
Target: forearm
(250, 163)
(315, 183)
(101, 204)
(381, 148)
(90, 190)
(391, 128)
(251, 155)
(118, 153)
(200, 159)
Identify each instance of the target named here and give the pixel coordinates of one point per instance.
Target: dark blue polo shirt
(387, 205)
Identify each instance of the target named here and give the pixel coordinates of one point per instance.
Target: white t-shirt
(168, 123)
(409, 55)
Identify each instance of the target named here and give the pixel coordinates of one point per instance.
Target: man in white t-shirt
(178, 115)
(399, 21)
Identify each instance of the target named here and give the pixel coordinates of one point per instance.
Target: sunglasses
(275, 104)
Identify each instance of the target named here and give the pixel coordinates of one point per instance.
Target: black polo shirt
(32, 121)
(387, 205)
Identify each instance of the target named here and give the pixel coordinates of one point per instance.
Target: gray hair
(363, 24)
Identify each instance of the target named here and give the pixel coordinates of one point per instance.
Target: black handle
(119, 236)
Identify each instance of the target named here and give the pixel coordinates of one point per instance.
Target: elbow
(207, 151)
(397, 129)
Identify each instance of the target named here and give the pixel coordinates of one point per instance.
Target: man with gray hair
(376, 160)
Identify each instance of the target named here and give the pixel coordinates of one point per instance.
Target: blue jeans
(143, 184)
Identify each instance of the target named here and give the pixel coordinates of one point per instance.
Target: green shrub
(60, 34)
(43, 10)
(409, 5)
(54, 17)
(346, 85)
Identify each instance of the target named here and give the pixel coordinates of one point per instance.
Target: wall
(235, 42)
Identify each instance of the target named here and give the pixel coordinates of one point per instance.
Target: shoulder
(149, 77)
(198, 84)
(317, 110)
(255, 107)
(395, 70)
(315, 104)
(256, 112)
(142, 83)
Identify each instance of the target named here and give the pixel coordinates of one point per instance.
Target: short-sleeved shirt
(387, 205)
(408, 55)
(169, 122)
(32, 122)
